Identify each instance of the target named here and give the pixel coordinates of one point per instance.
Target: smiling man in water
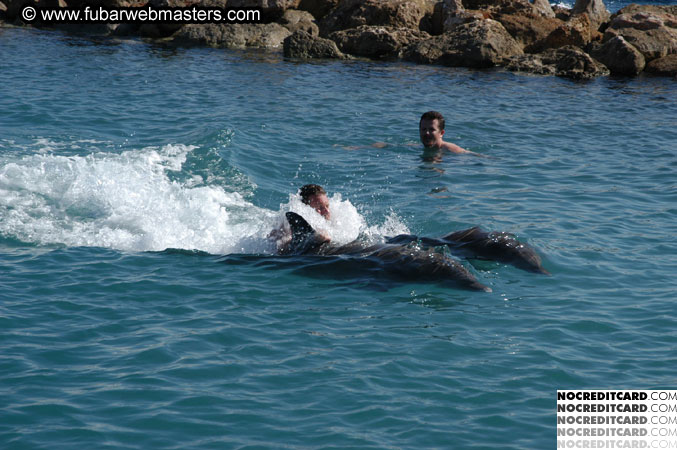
(431, 130)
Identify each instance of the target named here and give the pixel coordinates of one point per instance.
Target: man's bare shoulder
(453, 148)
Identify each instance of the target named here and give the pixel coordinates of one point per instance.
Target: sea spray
(146, 200)
(124, 201)
(345, 225)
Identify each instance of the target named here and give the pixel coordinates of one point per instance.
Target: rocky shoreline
(578, 43)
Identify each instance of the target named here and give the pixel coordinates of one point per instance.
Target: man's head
(431, 128)
(315, 196)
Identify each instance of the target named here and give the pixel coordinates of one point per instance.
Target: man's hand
(321, 237)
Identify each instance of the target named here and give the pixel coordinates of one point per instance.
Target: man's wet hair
(309, 191)
(432, 115)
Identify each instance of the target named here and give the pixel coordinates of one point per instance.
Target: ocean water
(141, 305)
(614, 5)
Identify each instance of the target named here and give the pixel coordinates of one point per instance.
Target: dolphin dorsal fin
(298, 224)
(300, 229)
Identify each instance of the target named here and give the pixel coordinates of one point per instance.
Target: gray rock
(561, 12)
(303, 45)
(294, 20)
(375, 41)
(620, 57)
(452, 21)
(318, 8)
(393, 13)
(452, 6)
(232, 35)
(666, 65)
(529, 29)
(172, 3)
(595, 9)
(270, 9)
(569, 62)
(577, 31)
(484, 43)
(544, 8)
(652, 30)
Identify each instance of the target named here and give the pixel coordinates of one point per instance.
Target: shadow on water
(344, 271)
(365, 271)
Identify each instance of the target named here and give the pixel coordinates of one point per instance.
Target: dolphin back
(475, 243)
(498, 246)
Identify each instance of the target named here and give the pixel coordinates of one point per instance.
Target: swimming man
(431, 130)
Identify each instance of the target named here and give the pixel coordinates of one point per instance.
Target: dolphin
(404, 260)
(475, 243)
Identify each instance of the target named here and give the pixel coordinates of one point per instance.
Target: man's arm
(282, 238)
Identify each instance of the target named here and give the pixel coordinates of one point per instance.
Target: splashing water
(133, 202)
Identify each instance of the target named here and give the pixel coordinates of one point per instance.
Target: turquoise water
(140, 306)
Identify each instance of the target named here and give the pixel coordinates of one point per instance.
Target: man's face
(430, 132)
(320, 203)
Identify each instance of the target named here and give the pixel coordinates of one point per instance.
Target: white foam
(128, 201)
(392, 226)
(124, 201)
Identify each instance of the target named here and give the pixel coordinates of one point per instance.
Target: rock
(375, 41)
(494, 7)
(561, 12)
(539, 64)
(544, 8)
(595, 9)
(232, 35)
(413, 14)
(529, 29)
(568, 62)
(87, 29)
(271, 10)
(304, 45)
(496, 4)
(666, 65)
(577, 31)
(318, 8)
(652, 30)
(460, 17)
(450, 7)
(453, 14)
(172, 3)
(105, 3)
(126, 29)
(620, 57)
(154, 30)
(294, 20)
(478, 44)
(437, 19)
(572, 62)
(655, 9)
